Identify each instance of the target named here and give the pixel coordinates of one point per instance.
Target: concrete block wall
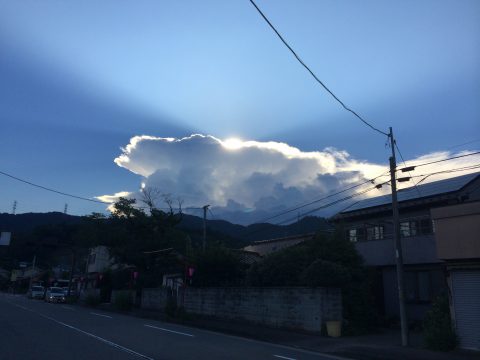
(155, 298)
(283, 307)
(116, 293)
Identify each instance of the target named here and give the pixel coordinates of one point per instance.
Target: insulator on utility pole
(398, 245)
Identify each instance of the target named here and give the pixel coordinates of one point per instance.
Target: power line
(403, 160)
(438, 161)
(426, 176)
(321, 199)
(301, 216)
(53, 190)
(249, 233)
(472, 167)
(333, 203)
(463, 144)
(312, 73)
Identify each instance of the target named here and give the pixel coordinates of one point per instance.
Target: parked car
(55, 294)
(36, 292)
(72, 291)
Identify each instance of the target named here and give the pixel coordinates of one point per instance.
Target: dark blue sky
(78, 80)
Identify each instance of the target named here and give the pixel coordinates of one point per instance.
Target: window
(416, 227)
(374, 232)
(418, 286)
(371, 232)
(408, 228)
(357, 234)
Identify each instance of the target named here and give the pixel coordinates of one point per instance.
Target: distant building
(457, 233)
(368, 224)
(99, 260)
(265, 247)
(247, 257)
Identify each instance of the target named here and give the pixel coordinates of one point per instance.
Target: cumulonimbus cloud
(245, 180)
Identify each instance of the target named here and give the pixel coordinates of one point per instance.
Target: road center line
(101, 315)
(284, 357)
(163, 329)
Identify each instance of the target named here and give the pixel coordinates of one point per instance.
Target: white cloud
(247, 180)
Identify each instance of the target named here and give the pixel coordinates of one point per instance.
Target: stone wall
(283, 307)
(130, 293)
(155, 298)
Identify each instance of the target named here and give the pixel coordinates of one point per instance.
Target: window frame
(416, 227)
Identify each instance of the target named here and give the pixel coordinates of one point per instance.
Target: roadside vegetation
(438, 328)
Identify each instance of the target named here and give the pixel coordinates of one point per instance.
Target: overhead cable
(312, 73)
(53, 190)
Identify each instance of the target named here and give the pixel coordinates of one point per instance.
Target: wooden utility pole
(398, 244)
(205, 208)
(72, 269)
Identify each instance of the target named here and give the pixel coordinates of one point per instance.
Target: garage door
(466, 301)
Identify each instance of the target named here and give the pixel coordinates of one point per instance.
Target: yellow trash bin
(334, 328)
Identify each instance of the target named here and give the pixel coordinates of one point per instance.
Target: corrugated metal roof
(425, 190)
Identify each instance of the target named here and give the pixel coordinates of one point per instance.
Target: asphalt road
(33, 329)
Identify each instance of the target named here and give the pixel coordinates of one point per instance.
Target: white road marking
(108, 342)
(67, 307)
(101, 315)
(264, 343)
(163, 329)
(284, 357)
(280, 346)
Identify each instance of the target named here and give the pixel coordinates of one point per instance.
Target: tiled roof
(411, 193)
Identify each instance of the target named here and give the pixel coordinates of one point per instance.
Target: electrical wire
(463, 144)
(53, 190)
(252, 232)
(465, 168)
(312, 73)
(447, 159)
(403, 160)
(332, 203)
(321, 199)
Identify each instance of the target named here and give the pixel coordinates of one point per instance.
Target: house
(99, 259)
(265, 247)
(457, 233)
(368, 223)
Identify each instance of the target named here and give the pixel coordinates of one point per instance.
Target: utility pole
(205, 208)
(14, 208)
(398, 244)
(72, 269)
(33, 270)
(65, 209)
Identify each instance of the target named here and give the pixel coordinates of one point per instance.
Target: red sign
(191, 271)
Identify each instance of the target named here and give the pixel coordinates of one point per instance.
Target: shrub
(123, 301)
(438, 330)
(329, 261)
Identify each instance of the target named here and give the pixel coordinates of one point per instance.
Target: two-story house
(369, 225)
(457, 232)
